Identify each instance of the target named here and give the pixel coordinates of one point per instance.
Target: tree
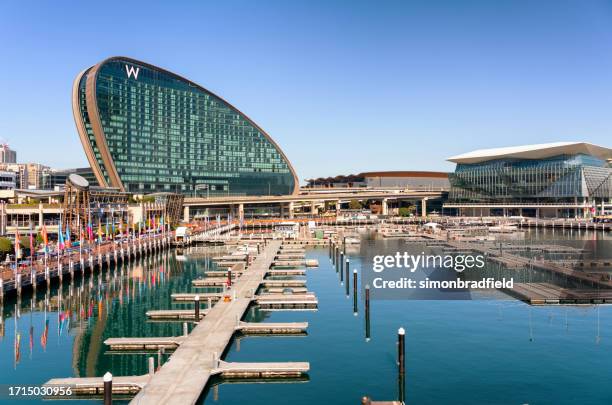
(355, 205)
(6, 247)
(406, 211)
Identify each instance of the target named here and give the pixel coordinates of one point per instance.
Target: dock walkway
(517, 262)
(182, 379)
(172, 342)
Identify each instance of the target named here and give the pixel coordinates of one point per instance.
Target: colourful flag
(90, 228)
(31, 241)
(60, 236)
(44, 237)
(67, 237)
(17, 347)
(31, 339)
(17, 244)
(45, 335)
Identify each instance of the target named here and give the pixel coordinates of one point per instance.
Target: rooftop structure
(538, 151)
(415, 180)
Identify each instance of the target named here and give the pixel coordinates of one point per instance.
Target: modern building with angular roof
(145, 130)
(563, 179)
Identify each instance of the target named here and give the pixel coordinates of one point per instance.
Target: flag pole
(80, 238)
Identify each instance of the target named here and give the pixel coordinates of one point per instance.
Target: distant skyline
(343, 87)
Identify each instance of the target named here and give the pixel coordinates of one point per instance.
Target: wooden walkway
(515, 261)
(235, 273)
(178, 314)
(550, 294)
(95, 385)
(139, 384)
(260, 370)
(182, 379)
(214, 281)
(287, 264)
(197, 355)
(172, 342)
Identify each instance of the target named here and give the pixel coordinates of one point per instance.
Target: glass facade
(56, 178)
(164, 133)
(555, 179)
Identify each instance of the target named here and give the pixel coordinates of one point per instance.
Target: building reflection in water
(88, 309)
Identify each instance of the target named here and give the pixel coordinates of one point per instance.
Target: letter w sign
(130, 70)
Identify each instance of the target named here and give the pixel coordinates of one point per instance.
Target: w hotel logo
(131, 70)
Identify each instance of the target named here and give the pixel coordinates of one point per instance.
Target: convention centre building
(562, 179)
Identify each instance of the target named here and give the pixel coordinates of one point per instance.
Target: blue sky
(343, 87)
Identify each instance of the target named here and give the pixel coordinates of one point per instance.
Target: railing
(521, 205)
(15, 275)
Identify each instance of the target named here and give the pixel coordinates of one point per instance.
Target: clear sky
(343, 87)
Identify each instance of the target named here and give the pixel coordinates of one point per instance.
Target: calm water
(485, 351)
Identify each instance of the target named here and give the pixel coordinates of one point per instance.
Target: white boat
(503, 229)
(352, 240)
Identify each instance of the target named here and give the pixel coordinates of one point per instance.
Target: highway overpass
(288, 203)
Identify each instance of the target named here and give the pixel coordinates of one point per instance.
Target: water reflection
(59, 330)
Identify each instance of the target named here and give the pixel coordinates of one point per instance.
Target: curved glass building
(145, 129)
(559, 179)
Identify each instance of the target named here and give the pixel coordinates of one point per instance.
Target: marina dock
(550, 294)
(514, 261)
(136, 384)
(183, 378)
(196, 358)
(172, 342)
(175, 314)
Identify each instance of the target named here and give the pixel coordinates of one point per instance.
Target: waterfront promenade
(42, 271)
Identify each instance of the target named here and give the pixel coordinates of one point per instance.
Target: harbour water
(487, 350)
